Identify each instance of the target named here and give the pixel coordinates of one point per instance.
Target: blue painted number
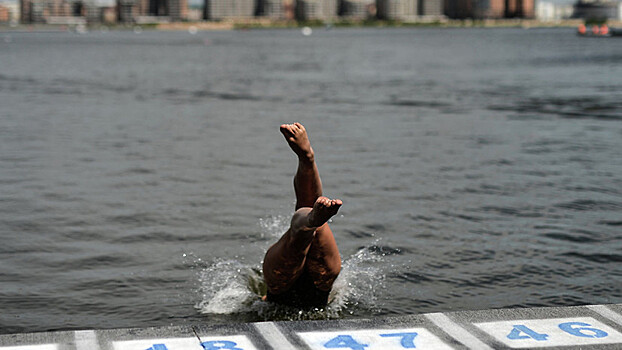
(220, 344)
(344, 341)
(158, 347)
(583, 330)
(407, 341)
(515, 334)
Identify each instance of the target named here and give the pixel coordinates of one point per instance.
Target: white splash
(230, 286)
(359, 283)
(274, 226)
(226, 288)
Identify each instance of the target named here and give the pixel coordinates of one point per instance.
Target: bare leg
(307, 183)
(300, 249)
(285, 260)
(323, 259)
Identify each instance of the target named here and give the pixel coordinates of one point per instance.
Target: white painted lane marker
(31, 347)
(374, 339)
(607, 313)
(577, 331)
(273, 336)
(86, 340)
(457, 332)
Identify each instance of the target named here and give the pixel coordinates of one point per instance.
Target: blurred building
(145, 11)
(493, 8)
(289, 9)
(409, 9)
(178, 9)
(596, 10)
(316, 9)
(127, 10)
(520, 9)
(357, 9)
(195, 13)
(11, 9)
(229, 9)
(431, 7)
(59, 11)
(397, 9)
(5, 14)
(549, 11)
(274, 9)
(458, 9)
(489, 9)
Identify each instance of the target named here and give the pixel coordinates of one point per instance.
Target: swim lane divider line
(457, 332)
(273, 336)
(606, 313)
(86, 340)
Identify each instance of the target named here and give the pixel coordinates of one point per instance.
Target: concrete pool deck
(577, 327)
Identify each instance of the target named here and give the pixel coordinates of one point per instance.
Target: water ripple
(597, 258)
(571, 238)
(589, 204)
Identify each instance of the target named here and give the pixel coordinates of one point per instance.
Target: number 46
(577, 329)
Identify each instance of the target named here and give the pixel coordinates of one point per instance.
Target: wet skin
(308, 246)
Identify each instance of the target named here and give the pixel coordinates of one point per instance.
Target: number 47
(347, 342)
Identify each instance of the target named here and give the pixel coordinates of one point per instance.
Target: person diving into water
(300, 269)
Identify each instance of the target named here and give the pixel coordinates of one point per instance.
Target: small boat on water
(598, 31)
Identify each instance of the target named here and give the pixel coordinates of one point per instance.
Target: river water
(142, 176)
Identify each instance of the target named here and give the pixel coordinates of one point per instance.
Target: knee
(300, 219)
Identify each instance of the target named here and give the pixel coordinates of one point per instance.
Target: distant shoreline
(271, 24)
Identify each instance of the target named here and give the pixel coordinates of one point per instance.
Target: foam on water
(225, 288)
(359, 282)
(273, 226)
(231, 286)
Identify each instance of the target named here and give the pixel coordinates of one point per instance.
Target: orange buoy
(604, 30)
(581, 29)
(595, 30)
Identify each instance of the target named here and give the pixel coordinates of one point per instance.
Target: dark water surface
(142, 176)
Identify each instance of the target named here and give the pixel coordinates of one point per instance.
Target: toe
(285, 128)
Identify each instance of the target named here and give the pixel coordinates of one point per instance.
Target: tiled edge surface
(581, 327)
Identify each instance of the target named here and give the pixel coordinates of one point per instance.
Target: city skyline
(160, 11)
(200, 2)
(73, 12)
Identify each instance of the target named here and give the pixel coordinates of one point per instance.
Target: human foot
(296, 136)
(323, 209)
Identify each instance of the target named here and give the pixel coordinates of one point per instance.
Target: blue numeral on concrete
(158, 347)
(407, 341)
(515, 334)
(569, 327)
(344, 341)
(220, 345)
